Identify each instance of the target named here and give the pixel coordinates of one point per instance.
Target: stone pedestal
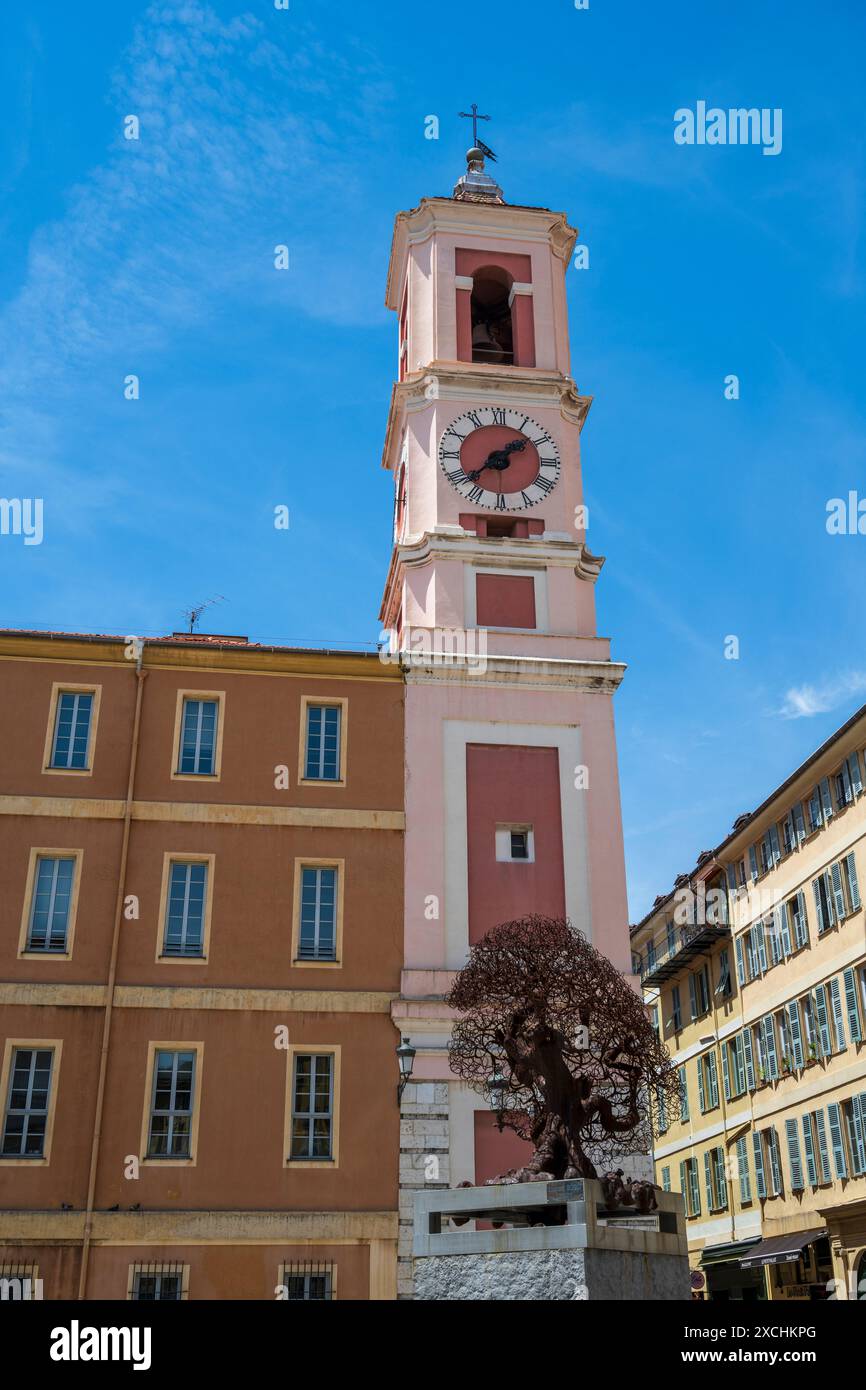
(557, 1241)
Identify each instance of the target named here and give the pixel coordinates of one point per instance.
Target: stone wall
(553, 1275)
(424, 1162)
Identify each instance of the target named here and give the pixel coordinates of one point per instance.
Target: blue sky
(306, 127)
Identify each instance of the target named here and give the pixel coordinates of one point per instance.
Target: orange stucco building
(201, 884)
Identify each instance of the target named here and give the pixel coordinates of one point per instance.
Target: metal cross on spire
(475, 116)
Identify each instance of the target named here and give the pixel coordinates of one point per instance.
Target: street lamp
(406, 1059)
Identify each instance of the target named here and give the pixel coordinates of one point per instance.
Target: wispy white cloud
(805, 701)
(165, 233)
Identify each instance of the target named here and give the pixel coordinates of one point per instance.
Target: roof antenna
(192, 615)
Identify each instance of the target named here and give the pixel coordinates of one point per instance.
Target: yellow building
(754, 965)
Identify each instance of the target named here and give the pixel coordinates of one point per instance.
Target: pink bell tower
(512, 792)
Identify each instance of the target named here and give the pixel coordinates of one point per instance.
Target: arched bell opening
(492, 327)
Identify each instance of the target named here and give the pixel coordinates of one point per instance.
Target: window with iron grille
(19, 1283)
(72, 730)
(317, 939)
(185, 909)
(313, 1106)
(322, 761)
(49, 909)
(308, 1282)
(199, 738)
(157, 1283)
(26, 1115)
(170, 1130)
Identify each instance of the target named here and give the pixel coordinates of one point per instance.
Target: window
(689, 1186)
(317, 938)
(823, 1149)
(714, 1179)
(72, 720)
(824, 904)
(671, 939)
(171, 1111)
(851, 1004)
(50, 904)
(708, 1082)
(158, 1283)
(666, 1179)
(186, 909)
(20, 1283)
(322, 743)
(198, 738)
(25, 1119)
(307, 1282)
(515, 844)
(699, 992)
(520, 844)
(723, 988)
(312, 1106)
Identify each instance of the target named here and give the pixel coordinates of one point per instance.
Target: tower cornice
(505, 221)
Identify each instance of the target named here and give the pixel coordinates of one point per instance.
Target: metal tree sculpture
(577, 1066)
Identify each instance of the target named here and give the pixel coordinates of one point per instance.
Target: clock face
(499, 458)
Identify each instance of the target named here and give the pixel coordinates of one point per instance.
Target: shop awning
(723, 1254)
(781, 1250)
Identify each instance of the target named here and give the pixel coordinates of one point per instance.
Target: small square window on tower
(515, 844)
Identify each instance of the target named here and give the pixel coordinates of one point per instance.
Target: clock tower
(511, 784)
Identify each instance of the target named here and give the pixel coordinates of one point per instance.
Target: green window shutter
(662, 1110)
(684, 1093)
(854, 771)
(820, 998)
(819, 906)
(826, 799)
(852, 1006)
(838, 891)
(853, 886)
(726, 1072)
(741, 969)
(721, 1184)
(749, 1057)
(796, 1035)
(760, 1179)
(666, 1179)
(753, 863)
(794, 1162)
(775, 1160)
(823, 1151)
(743, 1170)
(809, 1146)
(801, 927)
(713, 1080)
(831, 900)
(770, 1047)
(799, 823)
(858, 1115)
(702, 1095)
(708, 1182)
(837, 1140)
(695, 1187)
(693, 999)
(762, 953)
(784, 929)
(838, 1015)
(684, 1186)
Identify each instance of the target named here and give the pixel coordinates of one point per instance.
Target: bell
(485, 346)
